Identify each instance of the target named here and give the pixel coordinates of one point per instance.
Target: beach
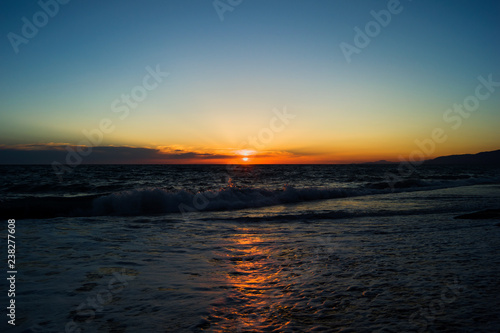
(395, 262)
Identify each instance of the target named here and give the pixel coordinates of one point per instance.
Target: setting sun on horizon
(250, 165)
(328, 83)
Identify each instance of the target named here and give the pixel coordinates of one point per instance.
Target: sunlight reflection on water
(255, 280)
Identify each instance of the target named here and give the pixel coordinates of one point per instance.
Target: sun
(246, 154)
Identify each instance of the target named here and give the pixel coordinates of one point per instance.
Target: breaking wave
(152, 201)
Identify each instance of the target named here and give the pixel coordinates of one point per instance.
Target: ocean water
(312, 248)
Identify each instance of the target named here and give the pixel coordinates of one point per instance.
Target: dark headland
(488, 158)
(483, 158)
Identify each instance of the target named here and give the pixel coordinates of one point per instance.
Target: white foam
(146, 201)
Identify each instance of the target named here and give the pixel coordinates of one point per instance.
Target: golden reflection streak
(253, 278)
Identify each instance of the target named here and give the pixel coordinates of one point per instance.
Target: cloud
(48, 153)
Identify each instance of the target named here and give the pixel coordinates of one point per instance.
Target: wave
(158, 201)
(153, 201)
(46, 207)
(432, 182)
(322, 215)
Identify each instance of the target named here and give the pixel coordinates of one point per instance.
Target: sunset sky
(257, 81)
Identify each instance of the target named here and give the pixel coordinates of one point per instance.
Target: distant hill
(486, 158)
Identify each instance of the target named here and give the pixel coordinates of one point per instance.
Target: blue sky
(226, 76)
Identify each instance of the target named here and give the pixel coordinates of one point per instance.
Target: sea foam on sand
(389, 262)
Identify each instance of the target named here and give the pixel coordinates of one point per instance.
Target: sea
(250, 248)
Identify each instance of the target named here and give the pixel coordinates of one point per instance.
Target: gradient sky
(226, 78)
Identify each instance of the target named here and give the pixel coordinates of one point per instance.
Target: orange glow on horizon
(180, 154)
(278, 159)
